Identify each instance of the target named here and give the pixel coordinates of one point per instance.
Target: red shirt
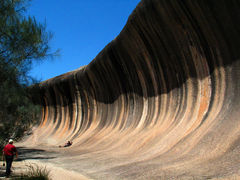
(9, 150)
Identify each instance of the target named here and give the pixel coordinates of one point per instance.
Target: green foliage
(22, 41)
(35, 173)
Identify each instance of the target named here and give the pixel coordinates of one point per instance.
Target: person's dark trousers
(9, 160)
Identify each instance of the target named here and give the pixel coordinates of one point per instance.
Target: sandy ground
(20, 167)
(40, 158)
(64, 165)
(56, 173)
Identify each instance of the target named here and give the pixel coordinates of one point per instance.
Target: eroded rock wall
(161, 97)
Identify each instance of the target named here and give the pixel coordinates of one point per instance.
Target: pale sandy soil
(44, 159)
(64, 164)
(56, 173)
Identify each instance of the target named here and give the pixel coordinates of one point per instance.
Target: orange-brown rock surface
(162, 100)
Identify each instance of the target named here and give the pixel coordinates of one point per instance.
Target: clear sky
(81, 28)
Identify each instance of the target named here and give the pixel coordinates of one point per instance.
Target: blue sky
(81, 28)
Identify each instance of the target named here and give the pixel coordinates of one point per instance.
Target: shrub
(35, 172)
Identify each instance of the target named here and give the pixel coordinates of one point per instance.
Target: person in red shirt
(9, 151)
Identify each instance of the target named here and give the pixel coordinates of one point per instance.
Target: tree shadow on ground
(2, 171)
(27, 154)
(34, 154)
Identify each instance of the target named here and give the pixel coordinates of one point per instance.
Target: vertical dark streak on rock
(162, 97)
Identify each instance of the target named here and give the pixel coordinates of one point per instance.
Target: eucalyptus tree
(23, 40)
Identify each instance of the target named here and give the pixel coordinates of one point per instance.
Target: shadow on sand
(34, 154)
(2, 171)
(28, 154)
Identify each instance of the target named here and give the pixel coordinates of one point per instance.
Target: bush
(35, 172)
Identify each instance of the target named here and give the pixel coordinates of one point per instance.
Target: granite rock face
(161, 100)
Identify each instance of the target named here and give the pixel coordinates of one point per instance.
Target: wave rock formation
(161, 100)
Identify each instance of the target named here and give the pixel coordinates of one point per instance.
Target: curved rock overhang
(162, 95)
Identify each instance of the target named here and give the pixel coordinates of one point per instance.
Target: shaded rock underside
(160, 101)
